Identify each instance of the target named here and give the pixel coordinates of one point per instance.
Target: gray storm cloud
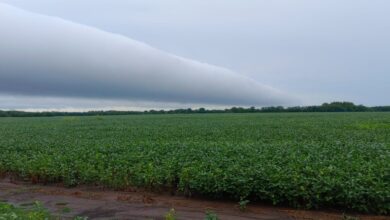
(47, 56)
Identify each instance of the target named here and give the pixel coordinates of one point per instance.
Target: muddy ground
(97, 203)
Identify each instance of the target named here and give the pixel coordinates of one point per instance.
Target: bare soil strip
(97, 203)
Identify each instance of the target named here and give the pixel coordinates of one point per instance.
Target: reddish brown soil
(96, 203)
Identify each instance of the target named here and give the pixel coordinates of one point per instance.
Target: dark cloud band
(46, 56)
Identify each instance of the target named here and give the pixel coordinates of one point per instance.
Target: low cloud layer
(49, 57)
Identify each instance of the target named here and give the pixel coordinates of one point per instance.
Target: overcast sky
(172, 53)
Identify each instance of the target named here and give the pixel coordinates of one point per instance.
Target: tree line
(326, 107)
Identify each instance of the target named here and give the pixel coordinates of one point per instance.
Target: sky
(141, 54)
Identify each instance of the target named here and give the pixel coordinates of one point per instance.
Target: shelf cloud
(44, 56)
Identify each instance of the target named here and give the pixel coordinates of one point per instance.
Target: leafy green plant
(242, 204)
(171, 215)
(10, 212)
(66, 210)
(210, 215)
(348, 217)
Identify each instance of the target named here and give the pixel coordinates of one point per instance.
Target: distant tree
(202, 110)
(325, 107)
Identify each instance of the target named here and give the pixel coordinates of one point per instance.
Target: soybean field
(305, 160)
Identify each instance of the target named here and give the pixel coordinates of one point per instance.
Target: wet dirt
(98, 203)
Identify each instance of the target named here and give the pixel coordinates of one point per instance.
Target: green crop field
(309, 160)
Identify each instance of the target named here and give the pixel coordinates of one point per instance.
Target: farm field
(305, 160)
